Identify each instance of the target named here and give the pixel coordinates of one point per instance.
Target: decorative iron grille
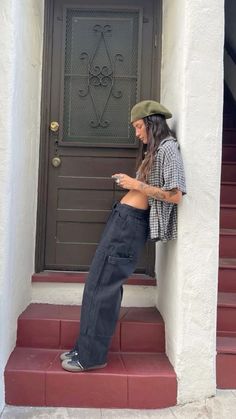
(100, 76)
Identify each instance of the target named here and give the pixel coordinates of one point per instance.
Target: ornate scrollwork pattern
(101, 76)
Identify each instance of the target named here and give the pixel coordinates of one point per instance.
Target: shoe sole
(72, 369)
(65, 358)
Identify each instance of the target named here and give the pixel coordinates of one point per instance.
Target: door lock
(54, 126)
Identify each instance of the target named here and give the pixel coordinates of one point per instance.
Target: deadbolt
(54, 126)
(56, 161)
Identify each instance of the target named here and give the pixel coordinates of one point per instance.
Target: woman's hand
(125, 181)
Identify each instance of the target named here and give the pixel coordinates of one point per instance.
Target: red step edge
(226, 344)
(228, 163)
(229, 182)
(227, 263)
(228, 231)
(227, 299)
(230, 206)
(80, 278)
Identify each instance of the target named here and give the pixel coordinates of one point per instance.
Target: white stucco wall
(64, 293)
(21, 27)
(192, 87)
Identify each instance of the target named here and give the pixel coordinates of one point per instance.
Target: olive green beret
(147, 108)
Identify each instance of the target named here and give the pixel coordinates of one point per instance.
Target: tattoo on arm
(157, 193)
(143, 185)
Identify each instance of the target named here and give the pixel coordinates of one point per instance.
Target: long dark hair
(157, 130)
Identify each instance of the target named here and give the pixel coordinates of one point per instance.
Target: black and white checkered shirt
(167, 173)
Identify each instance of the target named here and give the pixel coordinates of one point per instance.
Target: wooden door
(101, 64)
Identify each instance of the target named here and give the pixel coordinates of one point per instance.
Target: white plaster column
(21, 27)
(6, 62)
(192, 88)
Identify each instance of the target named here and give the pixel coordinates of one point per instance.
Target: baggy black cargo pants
(115, 259)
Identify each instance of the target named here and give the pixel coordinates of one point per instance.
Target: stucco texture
(21, 24)
(192, 88)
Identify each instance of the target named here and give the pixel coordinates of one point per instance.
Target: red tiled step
(80, 278)
(227, 275)
(226, 362)
(34, 377)
(228, 216)
(229, 152)
(227, 243)
(57, 326)
(226, 314)
(228, 172)
(228, 193)
(229, 136)
(142, 328)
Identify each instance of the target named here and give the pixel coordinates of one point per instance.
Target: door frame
(45, 114)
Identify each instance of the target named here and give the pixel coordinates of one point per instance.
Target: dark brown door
(102, 63)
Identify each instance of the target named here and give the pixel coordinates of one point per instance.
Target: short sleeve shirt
(167, 173)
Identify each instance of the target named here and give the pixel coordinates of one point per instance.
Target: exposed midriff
(135, 199)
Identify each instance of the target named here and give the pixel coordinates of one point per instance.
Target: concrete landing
(223, 406)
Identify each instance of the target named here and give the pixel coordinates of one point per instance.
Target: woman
(148, 209)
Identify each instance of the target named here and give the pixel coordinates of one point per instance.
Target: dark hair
(157, 130)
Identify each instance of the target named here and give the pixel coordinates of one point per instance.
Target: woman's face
(140, 130)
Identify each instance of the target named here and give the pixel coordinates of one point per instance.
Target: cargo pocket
(123, 266)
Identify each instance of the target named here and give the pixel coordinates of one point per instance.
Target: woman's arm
(174, 195)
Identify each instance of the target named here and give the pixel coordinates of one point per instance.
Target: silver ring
(118, 181)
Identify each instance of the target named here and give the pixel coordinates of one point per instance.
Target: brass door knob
(54, 126)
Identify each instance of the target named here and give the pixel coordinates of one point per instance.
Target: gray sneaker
(73, 365)
(68, 354)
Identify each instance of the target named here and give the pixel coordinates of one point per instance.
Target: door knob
(56, 161)
(54, 126)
